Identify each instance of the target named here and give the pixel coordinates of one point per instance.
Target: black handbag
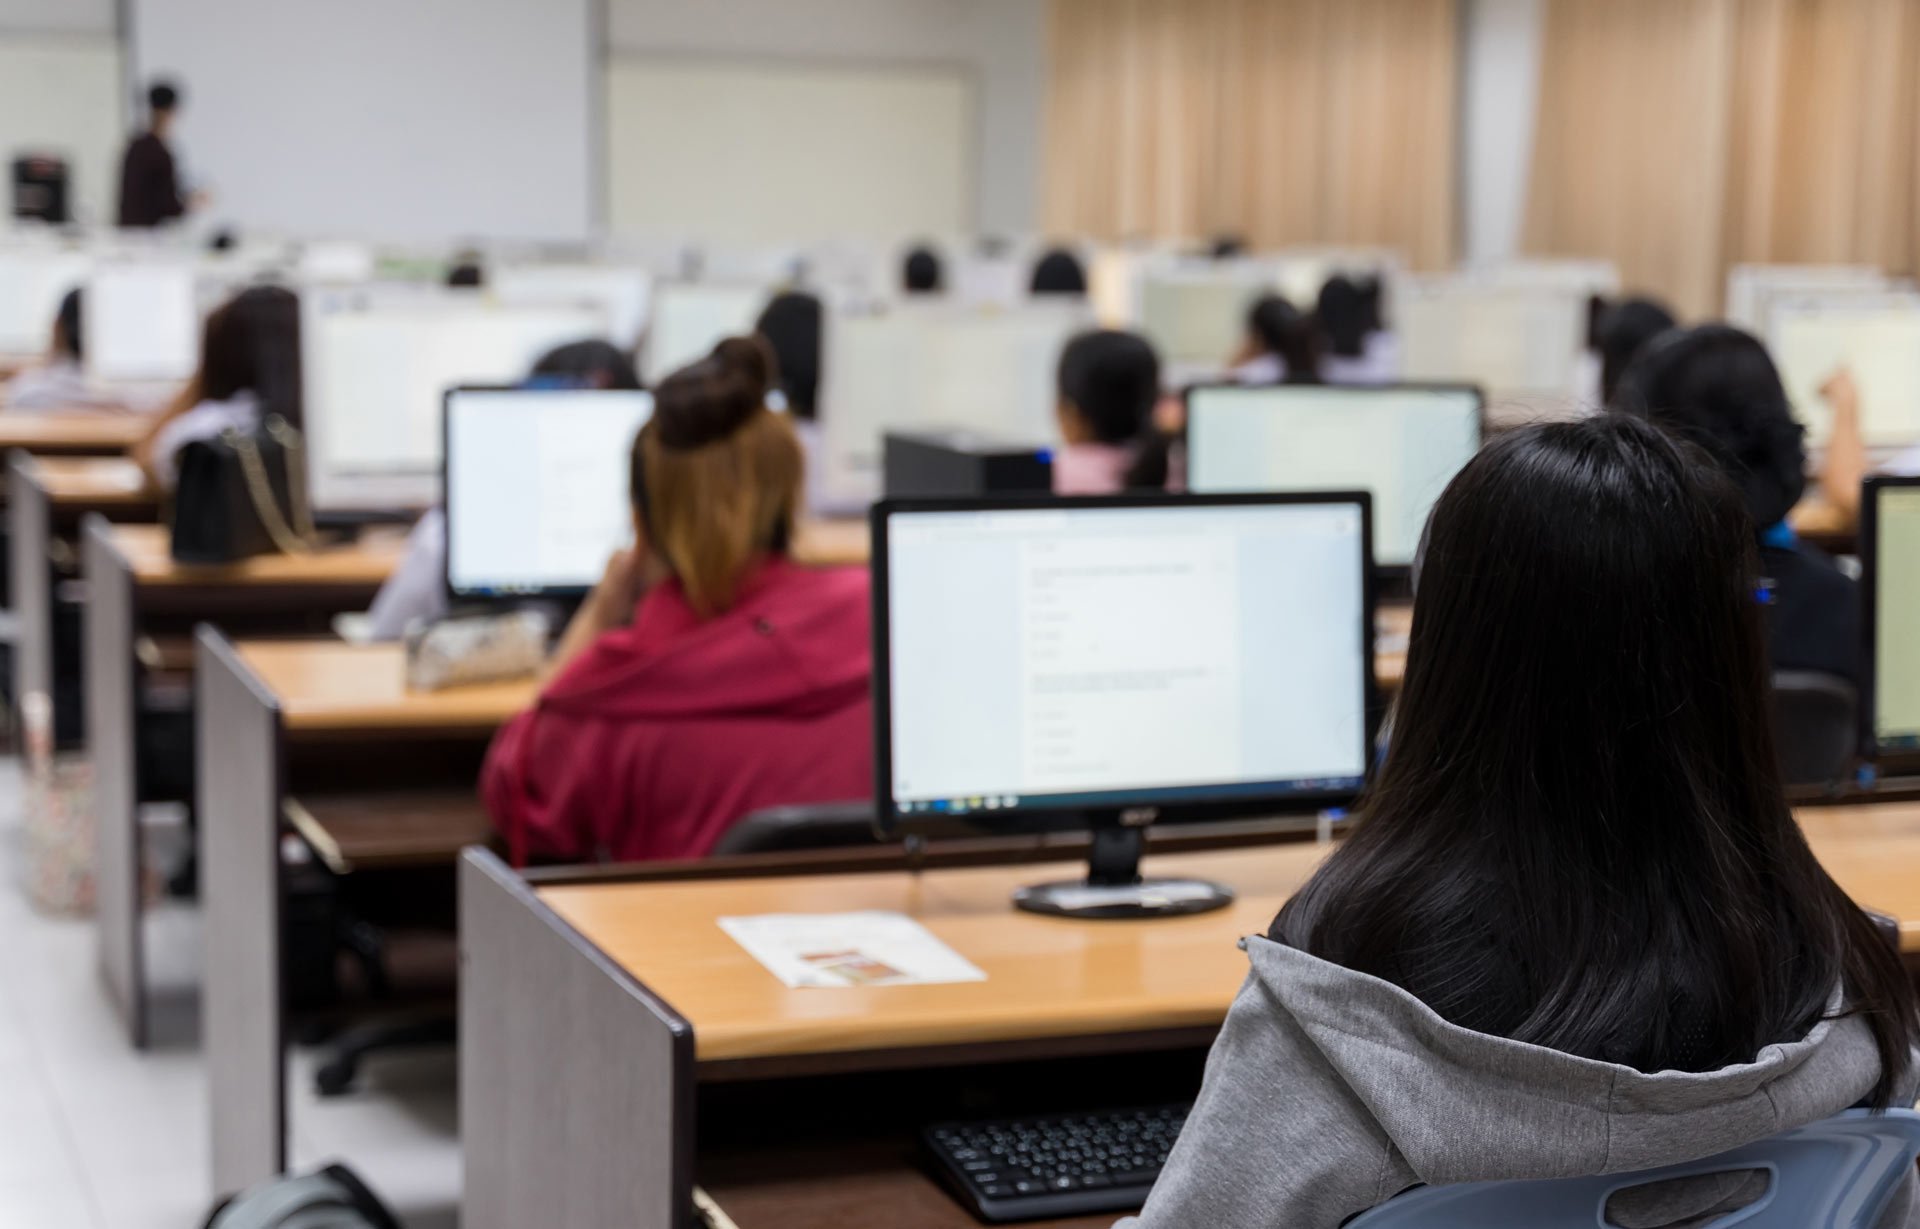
(241, 494)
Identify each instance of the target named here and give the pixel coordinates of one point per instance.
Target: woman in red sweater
(708, 676)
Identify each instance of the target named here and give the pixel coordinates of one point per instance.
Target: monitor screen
(1197, 321)
(918, 369)
(1876, 338)
(1511, 340)
(537, 487)
(375, 373)
(1893, 572)
(1121, 652)
(1403, 444)
(623, 293)
(690, 320)
(32, 283)
(141, 322)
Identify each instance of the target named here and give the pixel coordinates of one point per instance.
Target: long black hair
(1348, 311)
(1283, 330)
(791, 325)
(251, 344)
(1718, 388)
(1112, 378)
(1579, 838)
(1620, 331)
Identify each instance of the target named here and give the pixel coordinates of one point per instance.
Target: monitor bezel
(455, 595)
(1900, 761)
(1392, 573)
(1021, 819)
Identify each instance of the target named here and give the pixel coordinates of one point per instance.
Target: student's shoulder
(1810, 567)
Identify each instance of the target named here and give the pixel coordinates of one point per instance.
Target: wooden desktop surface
(92, 432)
(94, 482)
(839, 542)
(329, 686)
(1047, 978)
(367, 562)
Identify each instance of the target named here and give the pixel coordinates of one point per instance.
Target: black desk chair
(1816, 726)
(820, 825)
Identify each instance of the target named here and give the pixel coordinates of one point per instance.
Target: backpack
(330, 1199)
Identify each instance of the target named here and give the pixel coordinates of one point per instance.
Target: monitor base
(1144, 898)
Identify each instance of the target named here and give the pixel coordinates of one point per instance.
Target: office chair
(1815, 725)
(820, 825)
(1835, 1174)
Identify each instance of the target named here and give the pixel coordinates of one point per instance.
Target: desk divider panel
(576, 1082)
(243, 1006)
(30, 528)
(111, 726)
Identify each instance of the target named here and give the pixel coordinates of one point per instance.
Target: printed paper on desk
(849, 949)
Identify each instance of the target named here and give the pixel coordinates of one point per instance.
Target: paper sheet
(849, 949)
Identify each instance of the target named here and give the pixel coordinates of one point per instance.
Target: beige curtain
(1287, 121)
(1679, 137)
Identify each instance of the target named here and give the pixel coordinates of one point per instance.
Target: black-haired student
(1109, 384)
(150, 191)
(1282, 345)
(1358, 347)
(249, 372)
(1576, 929)
(58, 381)
(1717, 387)
(923, 272)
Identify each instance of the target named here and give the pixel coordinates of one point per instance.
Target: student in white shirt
(59, 383)
(249, 371)
(1282, 345)
(417, 592)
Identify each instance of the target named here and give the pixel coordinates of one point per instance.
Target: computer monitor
(141, 323)
(1511, 340)
(623, 293)
(1403, 443)
(1890, 583)
(689, 320)
(1105, 663)
(1876, 338)
(32, 283)
(928, 367)
(1197, 319)
(537, 488)
(1751, 289)
(375, 370)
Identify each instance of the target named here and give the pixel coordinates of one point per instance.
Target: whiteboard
(428, 120)
(60, 94)
(768, 150)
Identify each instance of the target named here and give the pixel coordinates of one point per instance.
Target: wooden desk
(598, 1012)
(135, 591)
(74, 432)
(842, 541)
(47, 498)
(329, 686)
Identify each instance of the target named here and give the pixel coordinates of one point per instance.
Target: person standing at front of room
(150, 193)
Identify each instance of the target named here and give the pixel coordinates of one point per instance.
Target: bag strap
(291, 539)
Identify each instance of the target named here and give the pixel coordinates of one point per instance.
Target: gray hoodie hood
(1329, 1092)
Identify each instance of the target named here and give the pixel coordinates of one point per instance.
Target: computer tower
(40, 189)
(963, 463)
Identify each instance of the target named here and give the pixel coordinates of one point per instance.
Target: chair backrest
(821, 825)
(1815, 726)
(1835, 1174)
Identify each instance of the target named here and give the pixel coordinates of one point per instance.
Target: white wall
(60, 95)
(65, 16)
(400, 119)
(1500, 83)
(1002, 42)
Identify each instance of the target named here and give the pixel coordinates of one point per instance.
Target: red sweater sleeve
(525, 793)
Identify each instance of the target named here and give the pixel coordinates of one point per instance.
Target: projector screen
(431, 120)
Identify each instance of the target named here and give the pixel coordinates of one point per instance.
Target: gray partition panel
(108, 664)
(242, 1006)
(30, 528)
(576, 1082)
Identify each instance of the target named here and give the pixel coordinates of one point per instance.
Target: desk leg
(576, 1082)
(30, 529)
(241, 891)
(108, 664)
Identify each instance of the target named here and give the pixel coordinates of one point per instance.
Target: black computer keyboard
(1061, 1165)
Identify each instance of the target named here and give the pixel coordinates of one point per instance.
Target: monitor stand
(1113, 887)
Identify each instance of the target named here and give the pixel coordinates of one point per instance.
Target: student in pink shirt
(1109, 383)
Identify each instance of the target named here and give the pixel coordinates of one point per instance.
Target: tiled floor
(94, 1135)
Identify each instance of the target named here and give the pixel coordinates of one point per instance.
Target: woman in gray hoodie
(1576, 929)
